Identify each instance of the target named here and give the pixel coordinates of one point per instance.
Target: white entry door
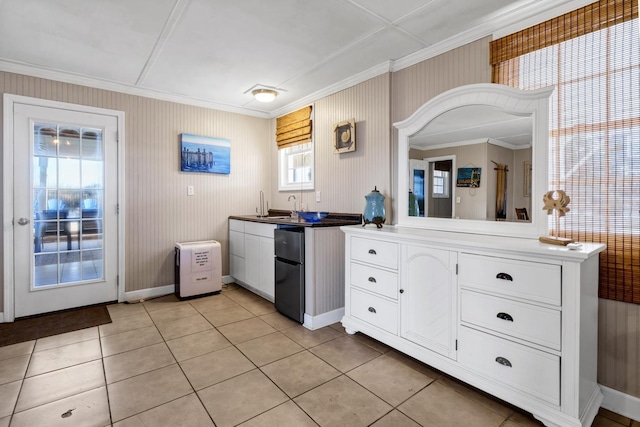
(65, 207)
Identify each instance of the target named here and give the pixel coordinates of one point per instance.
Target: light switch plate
(317, 196)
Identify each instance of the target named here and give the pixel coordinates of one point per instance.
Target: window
(592, 56)
(441, 185)
(294, 136)
(296, 167)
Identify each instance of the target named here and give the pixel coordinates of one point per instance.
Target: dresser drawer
(525, 321)
(376, 252)
(532, 371)
(375, 280)
(522, 279)
(375, 310)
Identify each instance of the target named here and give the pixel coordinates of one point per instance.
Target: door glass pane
(92, 144)
(45, 139)
(69, 175)
(69, 145)
(68, 193)
(92, 173)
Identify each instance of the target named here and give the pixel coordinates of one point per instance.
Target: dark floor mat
(45, 325)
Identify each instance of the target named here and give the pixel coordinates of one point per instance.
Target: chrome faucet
(294, 212)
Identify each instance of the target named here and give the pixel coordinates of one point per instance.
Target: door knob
(23, 221)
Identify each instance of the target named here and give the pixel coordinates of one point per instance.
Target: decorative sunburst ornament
(559, 208)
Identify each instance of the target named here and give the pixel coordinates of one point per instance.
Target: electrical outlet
(457, 199)
(317, 196)
(190, 190)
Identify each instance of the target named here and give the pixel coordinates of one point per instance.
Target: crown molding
(372, 72)
(65, 77)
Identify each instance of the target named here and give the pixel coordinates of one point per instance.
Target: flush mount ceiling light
(264, 95)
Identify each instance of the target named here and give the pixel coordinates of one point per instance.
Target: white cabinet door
(252, 259)
(236, 243)
(428, 298)
(236, 254)
(267, 267)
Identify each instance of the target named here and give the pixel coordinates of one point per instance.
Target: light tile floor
(228, 360)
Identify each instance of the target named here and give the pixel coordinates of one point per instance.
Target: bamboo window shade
(592, 56)
(294, 128)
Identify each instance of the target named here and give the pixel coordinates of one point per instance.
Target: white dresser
(513, 317)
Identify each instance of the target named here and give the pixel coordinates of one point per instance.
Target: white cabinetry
(428, 298)
(513, 317)
(251, 256)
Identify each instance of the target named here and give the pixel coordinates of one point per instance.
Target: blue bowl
(312, 216)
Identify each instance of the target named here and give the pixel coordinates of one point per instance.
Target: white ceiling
(212, 52)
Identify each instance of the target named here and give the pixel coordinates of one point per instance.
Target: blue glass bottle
(374, 212)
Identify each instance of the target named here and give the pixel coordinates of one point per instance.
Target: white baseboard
(159, 291)
(621, 403)
(324, 319)
(149, 293)
(2, 317)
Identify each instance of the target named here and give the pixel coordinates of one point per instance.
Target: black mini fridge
(289, 280)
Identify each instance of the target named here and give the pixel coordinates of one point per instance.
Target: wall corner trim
(621, 403)
(324, 319)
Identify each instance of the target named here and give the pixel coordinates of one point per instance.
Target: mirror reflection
(472, 162)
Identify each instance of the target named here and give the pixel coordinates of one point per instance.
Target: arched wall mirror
(475, 159)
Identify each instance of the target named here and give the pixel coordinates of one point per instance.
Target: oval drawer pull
(503, 361)
(504, 276)
(505, 316)
(372, 280)
(372, 310)
(372, 251)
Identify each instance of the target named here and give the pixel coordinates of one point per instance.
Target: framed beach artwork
(468, 177)
(205, 154)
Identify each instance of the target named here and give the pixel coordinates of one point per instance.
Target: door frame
(7, 157)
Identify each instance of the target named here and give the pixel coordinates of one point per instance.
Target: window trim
(283, 153)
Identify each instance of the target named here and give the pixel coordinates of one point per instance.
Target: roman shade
(294, 128)
(592, 57)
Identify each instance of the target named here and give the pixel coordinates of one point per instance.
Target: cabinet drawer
(259, 229)
(525, 321)
(521, 279)
(375, 310)
(532, 371)
(376, 252)
(236, 225)
(375, 280)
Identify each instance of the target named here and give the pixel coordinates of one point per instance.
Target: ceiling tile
(222, 48)
(444, 19)
(109, 39)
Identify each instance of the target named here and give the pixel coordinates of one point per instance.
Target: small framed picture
(344, 136)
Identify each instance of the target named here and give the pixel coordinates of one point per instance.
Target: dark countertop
(275, 217)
